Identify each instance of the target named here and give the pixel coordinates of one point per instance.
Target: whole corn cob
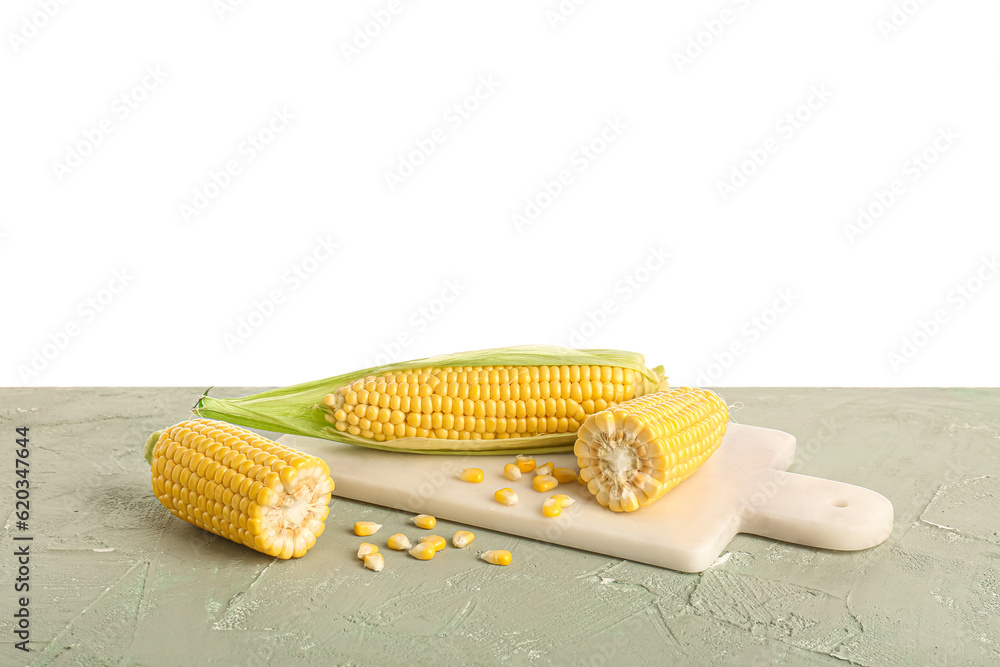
(451, 404)
(240, 485)
(632, 454)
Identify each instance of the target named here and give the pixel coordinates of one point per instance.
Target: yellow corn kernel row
(241, 486)
(481, 402)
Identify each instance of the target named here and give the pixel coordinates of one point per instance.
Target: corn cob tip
(147, 451)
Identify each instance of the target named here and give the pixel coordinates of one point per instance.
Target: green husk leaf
(298, 409)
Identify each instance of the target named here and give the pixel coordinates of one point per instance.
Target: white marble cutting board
(743, 488)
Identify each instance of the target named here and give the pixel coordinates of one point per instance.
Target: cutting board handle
(817, 512)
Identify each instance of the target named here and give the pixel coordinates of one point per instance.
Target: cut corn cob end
(241, 486)
(631, 455)
(366, 548)
(543, 483)
(423, 551)
(512, 472)
(399, 542)
(497, 556)
(374, 561)
(425, 521)
(366, 528)
(474, 475)
(462, 538)
(506, 496)
(436, 541)
(551, 508)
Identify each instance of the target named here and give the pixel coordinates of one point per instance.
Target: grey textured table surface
(116, 580)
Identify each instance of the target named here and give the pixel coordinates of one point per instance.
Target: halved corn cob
(240, 485)
(460, 403)
(632, 454)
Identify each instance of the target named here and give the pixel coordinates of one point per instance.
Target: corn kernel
(365, 549)
(506, 497)
(425, 521)
(564, 475)
(462, 539)
(545, 469)
(525, 463)
(550, 508)
(366, 528)
(374, 561)
(423, 551)
(497, 557)
(563, 500)
(438, 541)
(543, 483)
(399, 542)
(471, 475)
(512, 472)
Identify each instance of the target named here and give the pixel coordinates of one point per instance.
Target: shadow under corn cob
(503, 400)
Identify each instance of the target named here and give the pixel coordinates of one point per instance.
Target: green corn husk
(298, 409)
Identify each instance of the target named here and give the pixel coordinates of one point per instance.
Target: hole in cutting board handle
(840, 503)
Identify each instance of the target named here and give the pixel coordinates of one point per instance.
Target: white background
(107, 281)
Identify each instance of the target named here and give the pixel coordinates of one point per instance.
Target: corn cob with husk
(504, 400)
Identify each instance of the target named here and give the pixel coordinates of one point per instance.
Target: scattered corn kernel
(525, 463)
(471, 475)
(506, 497)
(545, 469)
(425, 521)
(512, 472)
(423, 551)
(564, 475)
(563, 500)
(438, 541)
(375, 561)
(462, 539)
(551, 508)
(497, 557)
(365, 549)
(366, 528)
(399, 542)
(543, 483)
